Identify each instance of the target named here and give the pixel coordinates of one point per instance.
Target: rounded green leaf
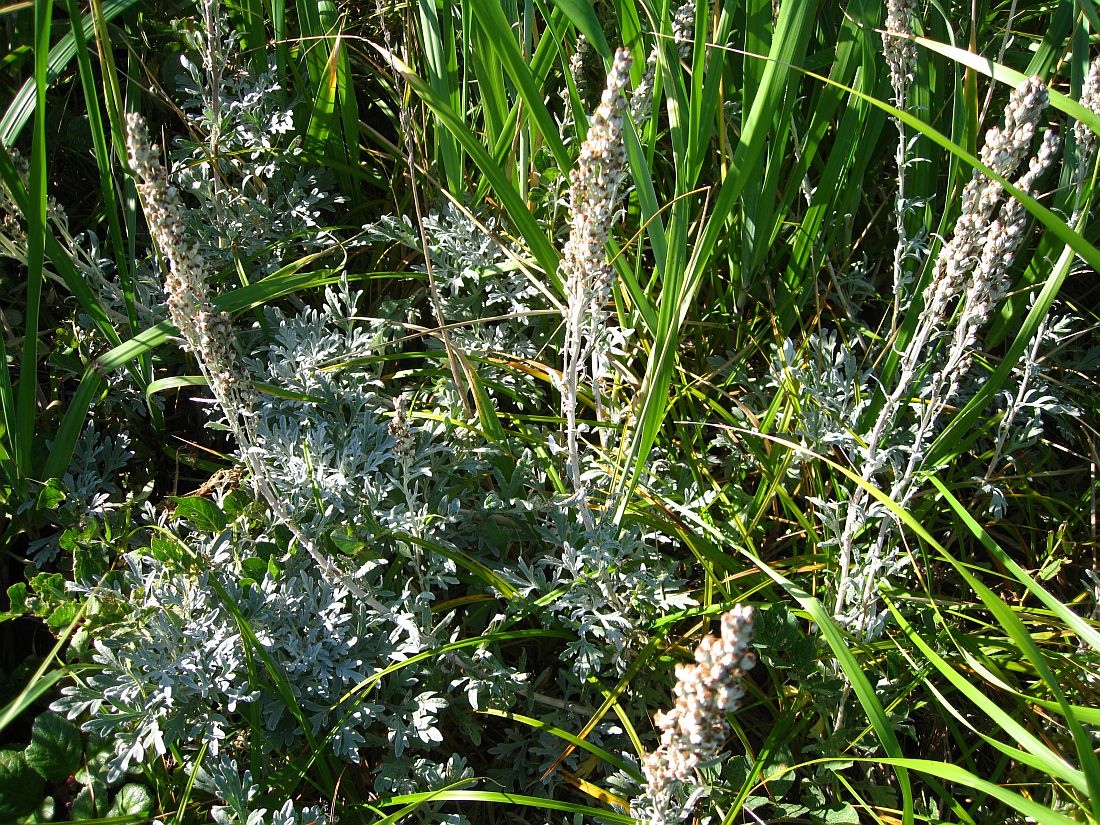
(132, 799)
(21, 788)
(55, 750)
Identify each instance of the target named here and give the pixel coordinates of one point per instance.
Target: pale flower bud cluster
(594, 191)
(577, 62)
(900, 52)
(683, 29)
(207, 333)
(593, 202)
(990, 282)
(1090, 99)
(1084, 137)
(1005, 149)
(694, 730)
(683, 33)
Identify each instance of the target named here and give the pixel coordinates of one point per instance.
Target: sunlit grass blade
(678, 292)
(521, 800)
(609, 758)
(543, 250)
(1045, 758)
(952, 773)
(22, 106)
(1082, 628)
(861, 686)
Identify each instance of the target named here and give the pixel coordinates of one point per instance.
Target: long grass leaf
(953, 773)
(22, 106)
(543, 250)
(509, 799)
(27, 391)
(1046, 759)
(503, 42)
(861, 686)
(1082, 628)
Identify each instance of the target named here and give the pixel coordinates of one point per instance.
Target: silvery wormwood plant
(174, 675)
(1036, 398)
(970, 275)
(241, 794)
(497, 315)
(174, 672)
(245, 172)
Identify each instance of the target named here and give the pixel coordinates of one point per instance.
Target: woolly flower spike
(594, 199)
(1005, 149)
(683, 29)
(897, 48)
(990, 282)
(1083, 135)
(695, 729)
(969, 278)
(207, 333)
(1090, 99)
(594, 186)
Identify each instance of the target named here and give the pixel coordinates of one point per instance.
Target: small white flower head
(900, 52)
(206, 332)
(1085, 137)
(694, 730)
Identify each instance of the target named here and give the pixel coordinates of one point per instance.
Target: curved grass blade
(952, 773)
(1044, 757)
(1090, 763)
(22, 105)
(538, 724)
(541, 247)
(1082, 628)
(510, 799)
(491, 17)
(861, 686)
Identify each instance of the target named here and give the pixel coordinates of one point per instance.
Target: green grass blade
(43, 679)
(1013, 627)
(503, 42)
(509, 799)
(610, 758)
(22, 106)
(72, 424)
(540, 245)
(1082, 628)
(1046, 759)
(27, 390)
(953, 773)
(861, 686)
(792, 33)
(102, 157)
(439, 75)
